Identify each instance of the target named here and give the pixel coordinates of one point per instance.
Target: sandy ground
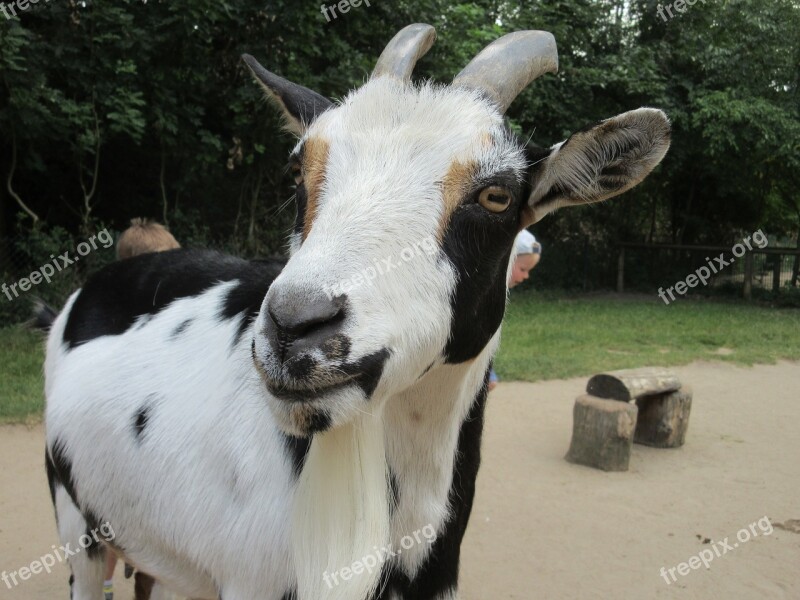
(543, 528)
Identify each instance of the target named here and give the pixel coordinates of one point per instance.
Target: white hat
(526, 243)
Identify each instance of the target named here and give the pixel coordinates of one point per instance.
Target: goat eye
(495, 199)
(297, 173)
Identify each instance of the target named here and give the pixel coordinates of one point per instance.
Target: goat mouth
(363, 374)
(295, 392)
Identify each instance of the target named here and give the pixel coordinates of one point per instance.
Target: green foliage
(125, 109)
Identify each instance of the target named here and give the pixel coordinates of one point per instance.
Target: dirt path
(545, 529)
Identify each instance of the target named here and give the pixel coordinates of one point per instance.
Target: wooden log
(602, 433)
(664, 419)
(630, 384)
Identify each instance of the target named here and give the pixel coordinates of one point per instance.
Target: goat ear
(300, 105)
(598, 162)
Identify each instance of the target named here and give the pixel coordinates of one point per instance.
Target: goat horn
(508, 65)
(402, 53)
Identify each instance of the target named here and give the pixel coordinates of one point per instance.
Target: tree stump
(602, 433)
(664, 419)
(630, 384)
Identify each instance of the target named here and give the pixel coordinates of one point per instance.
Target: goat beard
(341, 511)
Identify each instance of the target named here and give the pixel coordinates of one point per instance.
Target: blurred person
(528, 254)
(143, 237)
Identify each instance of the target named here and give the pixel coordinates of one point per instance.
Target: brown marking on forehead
(315, 163)
(455, 185)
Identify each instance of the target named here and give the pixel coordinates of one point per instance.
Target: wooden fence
(761, 266)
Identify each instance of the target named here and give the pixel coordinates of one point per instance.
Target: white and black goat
(249, 435)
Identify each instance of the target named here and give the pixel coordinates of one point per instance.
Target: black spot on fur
(394, 492)
(140, 420)
(124, 292)
(318, 422)
(52, 478)
(62, 469)
(297, 447)
(180, 329)
(94, 550)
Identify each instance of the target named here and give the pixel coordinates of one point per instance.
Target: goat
(249, 435)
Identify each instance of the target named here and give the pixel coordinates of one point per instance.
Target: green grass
(545, 336)
(21, 382)
(553, 337)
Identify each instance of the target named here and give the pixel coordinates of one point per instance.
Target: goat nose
(299, 322)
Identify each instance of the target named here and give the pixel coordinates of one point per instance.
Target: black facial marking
(180, 329)
(115, 297)
(140, 420)
(297, 447)
(478, 245)
(365, 373)
(370, 369)
(300, 367)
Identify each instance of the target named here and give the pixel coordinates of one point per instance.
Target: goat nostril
(293, 319)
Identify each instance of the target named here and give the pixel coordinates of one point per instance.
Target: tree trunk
(10, 182)
(631, 384)
(602, 433)
(664, 419)
(796, 265)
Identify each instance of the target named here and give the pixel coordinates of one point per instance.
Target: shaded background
(112, 110)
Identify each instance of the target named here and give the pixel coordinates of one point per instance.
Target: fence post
(748, 276)
(776, 273)
(621, 270)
